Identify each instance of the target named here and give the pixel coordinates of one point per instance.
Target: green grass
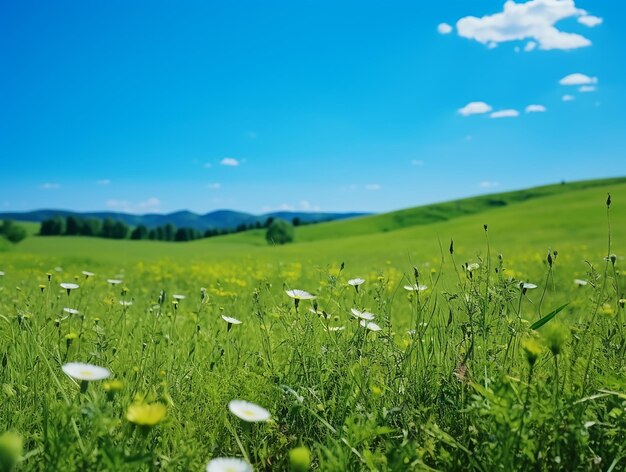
(472, 386)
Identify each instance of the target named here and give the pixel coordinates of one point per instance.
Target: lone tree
(12, 232)
(279, 232)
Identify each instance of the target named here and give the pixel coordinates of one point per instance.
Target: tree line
(116, 229)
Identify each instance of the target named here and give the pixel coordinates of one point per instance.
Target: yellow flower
(146, 414)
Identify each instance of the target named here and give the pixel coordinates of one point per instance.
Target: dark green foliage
(279, 232)
(12, 232)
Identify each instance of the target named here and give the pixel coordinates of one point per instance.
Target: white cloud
(475, 108)
(444, 28)
(590, 20)
(578, 79)
(509, 113)
(530, 45)
(307, 206)
(534, 20)
(535, 109)
(104, 182)
(214, 186)
(587, 88)
(417, 162)
(150, 205)
(229, 161)
(50, 186)
(488, 184)
(568, 98)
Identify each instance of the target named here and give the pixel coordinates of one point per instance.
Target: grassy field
(474, 371)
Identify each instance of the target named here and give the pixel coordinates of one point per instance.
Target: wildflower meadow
(436, 353)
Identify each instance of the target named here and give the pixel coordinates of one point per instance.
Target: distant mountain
(220, 219)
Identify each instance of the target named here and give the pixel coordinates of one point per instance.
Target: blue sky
(152, 106)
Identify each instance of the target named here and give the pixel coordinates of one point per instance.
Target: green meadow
(497, 341)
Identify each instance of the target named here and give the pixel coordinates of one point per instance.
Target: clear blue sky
(332, 105)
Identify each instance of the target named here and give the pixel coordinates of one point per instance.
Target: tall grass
(478, 371)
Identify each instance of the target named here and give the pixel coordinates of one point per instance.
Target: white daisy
(178, 297)
(300, 294)
(71, 311)
(69, 286)
(87, 274)
(356, 282)
(82, 371)
(126, 302)
(114, 281)
(472, 266)
(415, 288)
(1, 273)
(580, 282)
(248, 411)
(364, 315)
(230, 320)
(369, 325)
(528, 286)
(228, 464)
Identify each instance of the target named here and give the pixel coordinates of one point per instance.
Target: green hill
(568, 216)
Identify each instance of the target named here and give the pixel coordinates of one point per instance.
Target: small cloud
(488, 184)
(475, 108)
(152, 204)
(207, 165)
(214, 186)
(444, 28)
(417, 162)
(103, 182)
(568, 98)
(535, 109)
(530, 46)
(50, 186)
(578, 79)
(307, 206)
(229, 161)
(509, 113)
(285, 207)
(587, 88)
(590, 20)
(373, 187)
(531, 20)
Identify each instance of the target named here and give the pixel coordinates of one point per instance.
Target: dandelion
(87, 274)
(364, 315)
(69, 287)
(248, 411)
(356, 283)
(228, 464)
(415, 288)
(85, 372)
(146, 414)
(369, 325)
(580, 282)
(114, 281)
(71, 311)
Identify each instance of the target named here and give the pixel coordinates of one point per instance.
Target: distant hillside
(220, 219)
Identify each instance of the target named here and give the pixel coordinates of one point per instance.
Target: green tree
(279, 232)
(140, 232)
(52, 226)
(12, 232)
